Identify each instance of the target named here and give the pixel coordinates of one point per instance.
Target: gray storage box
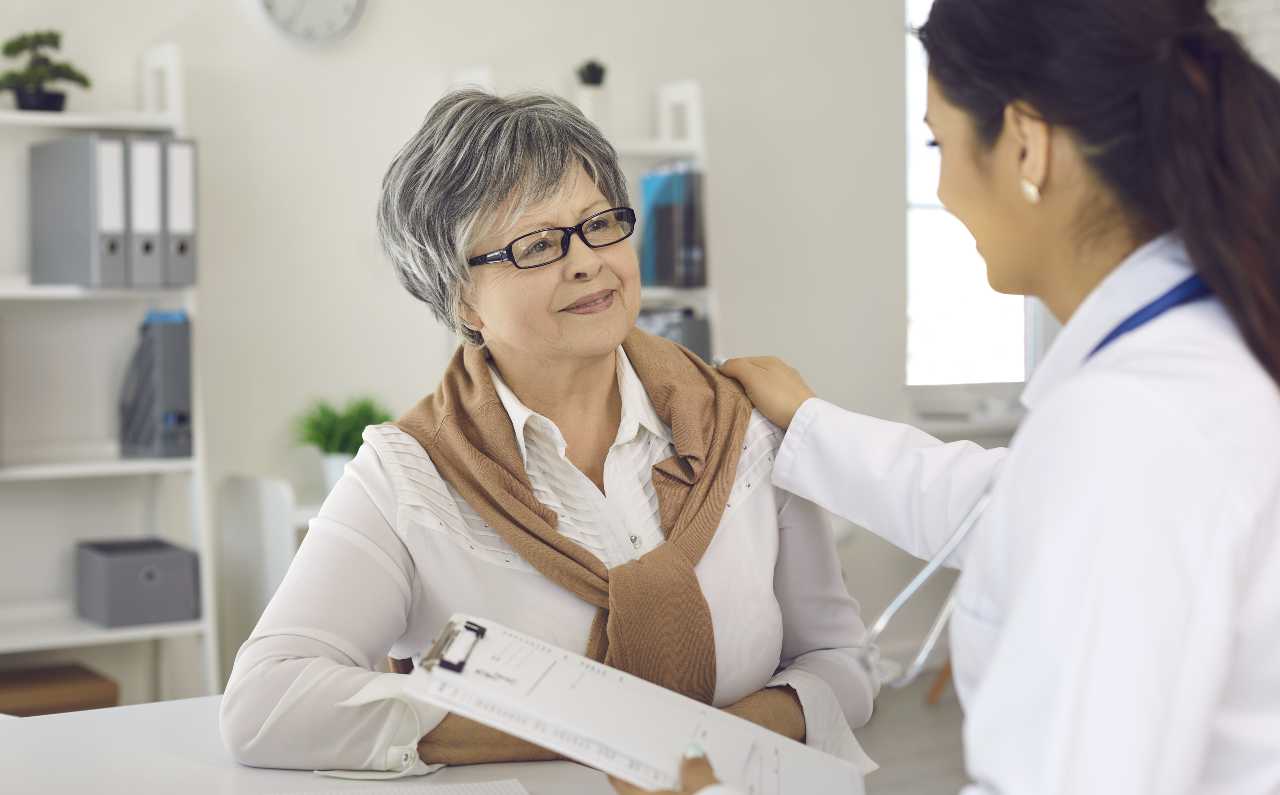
(139, 581)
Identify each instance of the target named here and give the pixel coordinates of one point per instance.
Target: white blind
(1258, 22)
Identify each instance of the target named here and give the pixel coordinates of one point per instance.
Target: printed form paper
(613, 721)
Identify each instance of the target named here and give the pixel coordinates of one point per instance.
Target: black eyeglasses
(549, 245)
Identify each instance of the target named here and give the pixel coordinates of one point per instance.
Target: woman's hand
(776, 709)
(695, 773)
(461, 741)
(775, 388)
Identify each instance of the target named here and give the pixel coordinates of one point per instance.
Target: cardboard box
(63, 688)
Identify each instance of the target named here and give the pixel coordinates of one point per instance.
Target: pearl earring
(1031, 191)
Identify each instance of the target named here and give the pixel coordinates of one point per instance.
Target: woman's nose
(583, 263)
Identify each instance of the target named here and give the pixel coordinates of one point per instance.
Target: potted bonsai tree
(28, 84)
(337, 433)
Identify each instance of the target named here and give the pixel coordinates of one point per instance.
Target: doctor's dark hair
(1170, 111)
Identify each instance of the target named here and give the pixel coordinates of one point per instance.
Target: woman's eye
(597, 225)
(537, 247)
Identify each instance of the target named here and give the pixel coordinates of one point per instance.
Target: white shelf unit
(140, 121)
(78, 470)
(12, 290)
(53, 625)
(680, 137)
(41, 623)
(659, 150)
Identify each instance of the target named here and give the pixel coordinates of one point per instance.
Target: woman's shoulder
(761, 435)
(404, 463)
(760, 446)
(398, 452)
(426, 506)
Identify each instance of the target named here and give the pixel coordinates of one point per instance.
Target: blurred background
(166, 427)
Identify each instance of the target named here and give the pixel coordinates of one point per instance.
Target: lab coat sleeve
(892, 479)
(821, 631)
(1121, 558)
(341, 607)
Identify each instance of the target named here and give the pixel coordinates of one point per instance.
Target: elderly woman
(571, 477)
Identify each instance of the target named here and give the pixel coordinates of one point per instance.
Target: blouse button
(635, 540)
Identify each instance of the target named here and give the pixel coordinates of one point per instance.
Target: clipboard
(610, 720)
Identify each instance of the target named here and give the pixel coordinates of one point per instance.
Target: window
(959, 330)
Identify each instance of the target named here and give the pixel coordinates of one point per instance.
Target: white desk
(174, 747)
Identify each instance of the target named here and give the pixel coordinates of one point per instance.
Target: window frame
(986, 403)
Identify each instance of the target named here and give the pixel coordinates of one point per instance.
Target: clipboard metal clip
(454, 646)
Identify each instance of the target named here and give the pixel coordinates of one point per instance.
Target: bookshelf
(679, 137)
(63, 351)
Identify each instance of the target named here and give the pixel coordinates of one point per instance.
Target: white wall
(1259, 24)
(805, 120)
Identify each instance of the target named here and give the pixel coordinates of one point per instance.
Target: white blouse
(395, 551)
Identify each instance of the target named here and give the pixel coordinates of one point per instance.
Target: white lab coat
(1117, 627)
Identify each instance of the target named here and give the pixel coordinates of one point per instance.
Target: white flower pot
(334, 464)
(593, 101)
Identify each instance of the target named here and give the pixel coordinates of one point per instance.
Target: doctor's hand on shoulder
(696, 777)
(774, 386)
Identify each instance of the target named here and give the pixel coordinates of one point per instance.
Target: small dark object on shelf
(591, 73)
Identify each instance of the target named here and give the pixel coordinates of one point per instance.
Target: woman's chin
(605, 340)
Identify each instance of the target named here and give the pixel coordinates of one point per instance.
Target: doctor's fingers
(696, 773)
(752, 366)
(773, 386)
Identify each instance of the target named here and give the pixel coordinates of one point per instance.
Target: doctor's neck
(1068, 277)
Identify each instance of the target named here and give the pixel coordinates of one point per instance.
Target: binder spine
(77, 212)
(145, 259)
(179, 222)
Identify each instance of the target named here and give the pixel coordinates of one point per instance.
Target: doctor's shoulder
(1197, 413)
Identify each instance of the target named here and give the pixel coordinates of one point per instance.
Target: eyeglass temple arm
(489, 259)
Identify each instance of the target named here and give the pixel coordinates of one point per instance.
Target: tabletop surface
(174, 746)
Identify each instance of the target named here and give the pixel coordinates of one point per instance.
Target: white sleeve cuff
(793, 443)
(395, 752)
(718, 789)
(825, 727)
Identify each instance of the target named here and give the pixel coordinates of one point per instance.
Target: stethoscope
(892, 674)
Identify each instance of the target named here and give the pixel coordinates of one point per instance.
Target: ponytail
(1213, 126)
(1174, 115)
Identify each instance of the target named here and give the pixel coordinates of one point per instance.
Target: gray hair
(475, 155)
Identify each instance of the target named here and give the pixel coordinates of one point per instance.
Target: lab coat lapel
(1146, 274)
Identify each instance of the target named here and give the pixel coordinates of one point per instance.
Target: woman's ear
(1032, 134)
(467, 313)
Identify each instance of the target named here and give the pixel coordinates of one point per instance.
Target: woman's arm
(461, 741)
(776, 708)
(822, 630)
(343, 604)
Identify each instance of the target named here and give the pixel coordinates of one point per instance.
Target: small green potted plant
(28, 84)
(337, 433)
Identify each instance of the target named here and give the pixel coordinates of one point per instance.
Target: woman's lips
(591, 304)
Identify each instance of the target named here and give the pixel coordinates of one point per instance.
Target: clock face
(314, 20)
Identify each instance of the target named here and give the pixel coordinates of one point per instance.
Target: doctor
(1117, 627)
